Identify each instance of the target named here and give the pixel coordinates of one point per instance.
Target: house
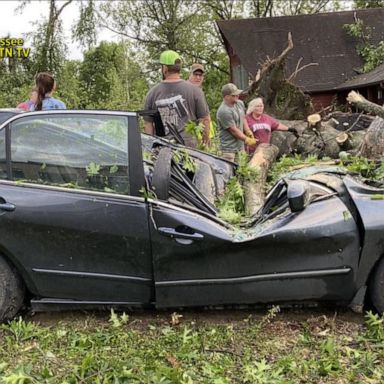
(322, 48)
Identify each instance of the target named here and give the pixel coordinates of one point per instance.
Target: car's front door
(69, 219)
(307, 255)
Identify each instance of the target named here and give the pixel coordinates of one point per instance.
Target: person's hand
(250, 141)
(248, 133)
(294, 131)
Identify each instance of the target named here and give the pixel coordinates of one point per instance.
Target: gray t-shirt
(178, 102)
(227, 117)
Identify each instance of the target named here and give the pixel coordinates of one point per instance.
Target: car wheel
(11, 291)
(376, 287)
(162, 174)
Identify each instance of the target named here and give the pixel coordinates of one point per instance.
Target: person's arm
(149, 128)
(206, 122)
(282, 127)
(202, 113)
(247, 130)
(235, 132)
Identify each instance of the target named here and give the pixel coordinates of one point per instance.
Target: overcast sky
(16, 25)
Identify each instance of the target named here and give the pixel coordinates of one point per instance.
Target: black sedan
(95, 214)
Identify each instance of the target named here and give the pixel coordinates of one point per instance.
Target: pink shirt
(262, 129)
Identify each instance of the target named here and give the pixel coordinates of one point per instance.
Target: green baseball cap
(169, 57)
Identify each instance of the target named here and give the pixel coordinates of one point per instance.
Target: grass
(205, 347)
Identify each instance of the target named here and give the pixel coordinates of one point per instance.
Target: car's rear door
(71, 218)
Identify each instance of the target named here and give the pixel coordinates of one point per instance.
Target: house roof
(376, 76)
(318, 38)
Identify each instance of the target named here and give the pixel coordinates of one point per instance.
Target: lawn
(242, 346)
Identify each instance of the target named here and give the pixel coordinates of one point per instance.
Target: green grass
(202, 347)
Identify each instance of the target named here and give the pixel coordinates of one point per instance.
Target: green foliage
(363, 166)
(84, 31)
(375, 326)
(196, 130)
(93, 169)
(247, 347)
(69, 87)
(111, 79)
(182, 158)
(372, 54)
(362, 4)
(286, 164)
(244, 172)
(147, 194)
(231, 204)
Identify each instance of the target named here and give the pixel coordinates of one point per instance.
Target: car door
(305, 255)
(71, 218)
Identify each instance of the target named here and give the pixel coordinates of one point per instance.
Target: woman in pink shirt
(261, 124)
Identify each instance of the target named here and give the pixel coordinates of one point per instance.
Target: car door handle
(9, 207)
(171, 232)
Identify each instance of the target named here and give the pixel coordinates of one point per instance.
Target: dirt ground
(205, 317)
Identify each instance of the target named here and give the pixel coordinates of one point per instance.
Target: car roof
(8, 113)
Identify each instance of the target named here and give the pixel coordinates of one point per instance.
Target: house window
(240, 77)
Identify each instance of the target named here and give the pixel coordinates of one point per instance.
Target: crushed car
(95, 214)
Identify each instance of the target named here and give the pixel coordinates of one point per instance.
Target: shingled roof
(317, 38)
(376, 76)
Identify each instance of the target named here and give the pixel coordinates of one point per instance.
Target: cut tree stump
(261, 161)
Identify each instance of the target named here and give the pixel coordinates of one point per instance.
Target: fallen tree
(360, 102)
(281, 98)
(260, 162)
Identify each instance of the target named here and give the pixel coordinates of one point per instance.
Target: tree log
(348, 121)
(261, 161)
(373, 145)
(367, 106)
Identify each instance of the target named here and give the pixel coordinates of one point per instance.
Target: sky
(16, 25)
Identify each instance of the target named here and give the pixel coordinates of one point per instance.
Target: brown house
(321, 43)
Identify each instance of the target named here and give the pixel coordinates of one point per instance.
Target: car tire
(11, 291)
(162, 174)
(376, 287)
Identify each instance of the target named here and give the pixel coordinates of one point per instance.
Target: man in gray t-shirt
(233, 127)
(178, 101)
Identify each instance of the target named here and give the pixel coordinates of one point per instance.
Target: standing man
(233, 128)
(196, 75)
(177, 101)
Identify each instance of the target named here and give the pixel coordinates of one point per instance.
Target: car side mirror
(298, 195)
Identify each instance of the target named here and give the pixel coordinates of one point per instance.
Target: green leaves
(204, 348)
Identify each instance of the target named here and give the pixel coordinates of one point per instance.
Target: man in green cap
(178, 101)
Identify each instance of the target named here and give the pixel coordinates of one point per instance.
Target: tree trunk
(349, 121)
(373, 145)
(367, 106)
(261, 161)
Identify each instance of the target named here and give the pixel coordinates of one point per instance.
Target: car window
(74, 151)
